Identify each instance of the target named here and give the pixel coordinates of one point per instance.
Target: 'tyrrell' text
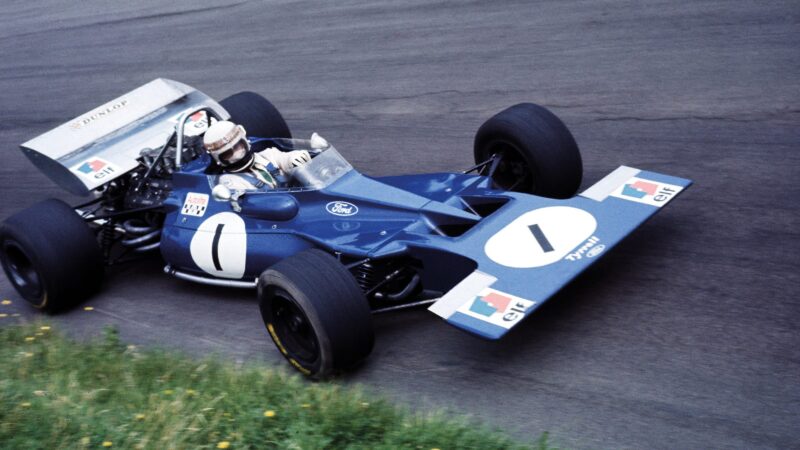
(578, 254)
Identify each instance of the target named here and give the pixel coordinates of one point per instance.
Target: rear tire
(257, 115)
(51, 256)
(538, 153)
(316, 313)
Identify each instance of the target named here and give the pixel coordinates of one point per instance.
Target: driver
(227, 143)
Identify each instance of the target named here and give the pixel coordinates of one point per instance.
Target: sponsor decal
(344, 209)
(646, 191)
(594, 251)
(498, 308)
(195, 204)
(639, 189)
(97, 114)
(197, 117)
(591, 248)
(196, 124)
(490, 304)
(95, 169)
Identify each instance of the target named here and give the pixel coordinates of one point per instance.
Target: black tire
(51, 256)
(539, 154)
(316, 313)
(257, 115)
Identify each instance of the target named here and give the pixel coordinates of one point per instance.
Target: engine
(150, 184)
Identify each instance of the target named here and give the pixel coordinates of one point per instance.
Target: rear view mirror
(221, 193)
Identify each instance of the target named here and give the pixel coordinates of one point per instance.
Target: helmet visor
(234, 154)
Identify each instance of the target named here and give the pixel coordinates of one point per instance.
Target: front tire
(538, 154)
(50, 256)
(316, 314)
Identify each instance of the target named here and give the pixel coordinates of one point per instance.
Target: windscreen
(325, 167)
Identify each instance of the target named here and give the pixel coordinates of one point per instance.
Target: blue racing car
(326, 246)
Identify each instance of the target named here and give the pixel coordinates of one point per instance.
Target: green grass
(56, 393)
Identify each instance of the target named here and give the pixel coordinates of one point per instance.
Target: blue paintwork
(385, 211)
(394, 219)
(616, 218)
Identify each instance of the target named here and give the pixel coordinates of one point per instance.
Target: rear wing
(535, 246)
(103, 144)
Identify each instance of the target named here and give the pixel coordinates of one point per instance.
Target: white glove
(318, 142)
(286, 161)
(298, 157)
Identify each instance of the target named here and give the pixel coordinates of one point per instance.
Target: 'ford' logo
(342, 208)
(594, 251)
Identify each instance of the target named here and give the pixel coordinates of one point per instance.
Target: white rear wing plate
(103, 144)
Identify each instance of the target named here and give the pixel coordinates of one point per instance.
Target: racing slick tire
(316, 313)
(257, 115)
(538, 153)
(51, 256)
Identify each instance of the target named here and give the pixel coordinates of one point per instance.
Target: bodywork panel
(539, 245)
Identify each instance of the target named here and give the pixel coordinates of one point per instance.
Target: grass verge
(56, 393)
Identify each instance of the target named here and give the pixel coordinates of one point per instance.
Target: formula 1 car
(329, 246)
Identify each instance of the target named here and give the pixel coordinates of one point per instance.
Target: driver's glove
(299, 157)
(286, 161)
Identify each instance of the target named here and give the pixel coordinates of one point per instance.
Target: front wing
(537, 245)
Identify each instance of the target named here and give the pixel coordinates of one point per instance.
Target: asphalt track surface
(685, 336)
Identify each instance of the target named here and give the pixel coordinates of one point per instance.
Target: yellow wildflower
(45, 328)
(6, 302)
(191, 392)
(2, 315)
(269, 413)
(25, 404)
(139, 416)
(39, 393)
(168, 392)
(28, 354)
(88, 308)
(107, 443)
(85, 440)
(30, 339)
(306, 405)
(223, 444)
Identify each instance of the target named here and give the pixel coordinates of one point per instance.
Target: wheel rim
(294, 332)
(22, 272)
(512, 172)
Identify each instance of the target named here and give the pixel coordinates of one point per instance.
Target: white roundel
(219, 246)
(540, 237)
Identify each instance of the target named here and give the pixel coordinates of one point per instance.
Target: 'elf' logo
(494, 303)
(96, 168)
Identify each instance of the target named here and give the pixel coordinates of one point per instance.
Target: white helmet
(227, 143)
